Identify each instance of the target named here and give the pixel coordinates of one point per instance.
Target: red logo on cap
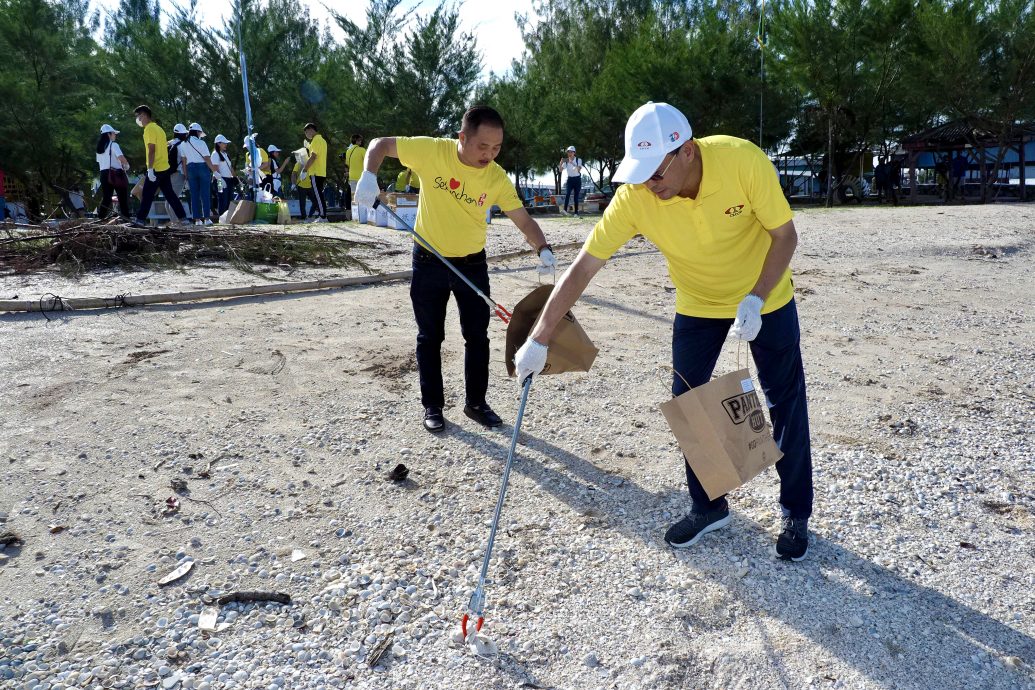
(674, 136)
(643, 145)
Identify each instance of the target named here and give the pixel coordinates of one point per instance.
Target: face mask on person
(140, 123)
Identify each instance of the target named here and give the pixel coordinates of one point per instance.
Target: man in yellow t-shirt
(407, 182)
(354, 156)
(461, 180)
(316, 168)
(156, 155)
(715, 209)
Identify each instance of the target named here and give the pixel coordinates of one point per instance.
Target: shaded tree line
(841, 78)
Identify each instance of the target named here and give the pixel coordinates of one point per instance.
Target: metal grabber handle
(497, 309)
(476, 607)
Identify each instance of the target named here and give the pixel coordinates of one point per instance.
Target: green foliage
(843, 75)
(50, 101)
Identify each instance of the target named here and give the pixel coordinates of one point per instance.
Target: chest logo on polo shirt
(734, 211)
(457, 190)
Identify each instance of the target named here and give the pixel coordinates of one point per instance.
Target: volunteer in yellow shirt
(158, 171)
(354, 156)
(316, 168)
(407, 182)
(461, 180)
(715, 209)
(303, 187)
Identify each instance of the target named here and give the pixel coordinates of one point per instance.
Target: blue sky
(492, 21)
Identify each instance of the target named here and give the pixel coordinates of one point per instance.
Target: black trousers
(106, 191)
(316, 194)
(430, 287)
(147, 197)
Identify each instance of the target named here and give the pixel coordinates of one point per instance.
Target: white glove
(547, 262)
(186, 185)
(367, 190)
(749, 318)
(530, 360)
(151, 175)
(302, 175)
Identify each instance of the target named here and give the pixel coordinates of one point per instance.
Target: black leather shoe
(483, 414)
(433, 420)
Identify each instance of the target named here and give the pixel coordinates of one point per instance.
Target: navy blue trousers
(696, 343)
(430, 287)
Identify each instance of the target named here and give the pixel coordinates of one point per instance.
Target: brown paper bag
(225, 216)
(138, 189)
(570, 349)
(722, 430)
(243, 214)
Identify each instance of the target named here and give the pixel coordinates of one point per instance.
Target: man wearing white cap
(715, 209)
(572, 166)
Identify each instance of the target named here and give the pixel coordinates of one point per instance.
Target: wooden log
(51, 302)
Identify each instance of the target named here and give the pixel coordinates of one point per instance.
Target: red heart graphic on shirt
(453, 184)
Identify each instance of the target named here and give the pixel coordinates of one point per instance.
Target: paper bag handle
(740, 347)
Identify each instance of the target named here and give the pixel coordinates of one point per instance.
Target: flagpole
(253, 149)
(761, 69)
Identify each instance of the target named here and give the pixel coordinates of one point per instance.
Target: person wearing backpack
(226, 181)
(199, 174)
(156, 155)
(113, 166)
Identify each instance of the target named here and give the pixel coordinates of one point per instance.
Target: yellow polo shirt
(153, 134)
(454, 196)
(715, 245)
(318, 148)
(354, 157)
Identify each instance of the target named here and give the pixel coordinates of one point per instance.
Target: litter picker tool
(476, 607)
(498, 309)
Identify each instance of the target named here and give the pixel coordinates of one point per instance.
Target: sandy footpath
(277, 418)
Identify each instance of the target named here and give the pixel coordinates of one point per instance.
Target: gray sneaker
(690, 529)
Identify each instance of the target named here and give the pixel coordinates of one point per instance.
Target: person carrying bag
(113, 166)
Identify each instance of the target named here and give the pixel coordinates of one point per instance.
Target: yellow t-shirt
(263, 157)
(318, 148)
(455, 197)
(153, 134)
(301, 184)
(401, 182)
(354, 157)
(715, 245)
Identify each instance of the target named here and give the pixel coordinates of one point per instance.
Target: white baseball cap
(272, 148)
(195, 127)
(652, 132)
(251, 137)
(571, 148)
(178, 128)
(220, 139)
(108, 129)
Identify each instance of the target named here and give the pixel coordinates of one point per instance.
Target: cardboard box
(407, 213)
(396, 199)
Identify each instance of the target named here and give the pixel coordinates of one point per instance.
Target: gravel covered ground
(272, 422)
